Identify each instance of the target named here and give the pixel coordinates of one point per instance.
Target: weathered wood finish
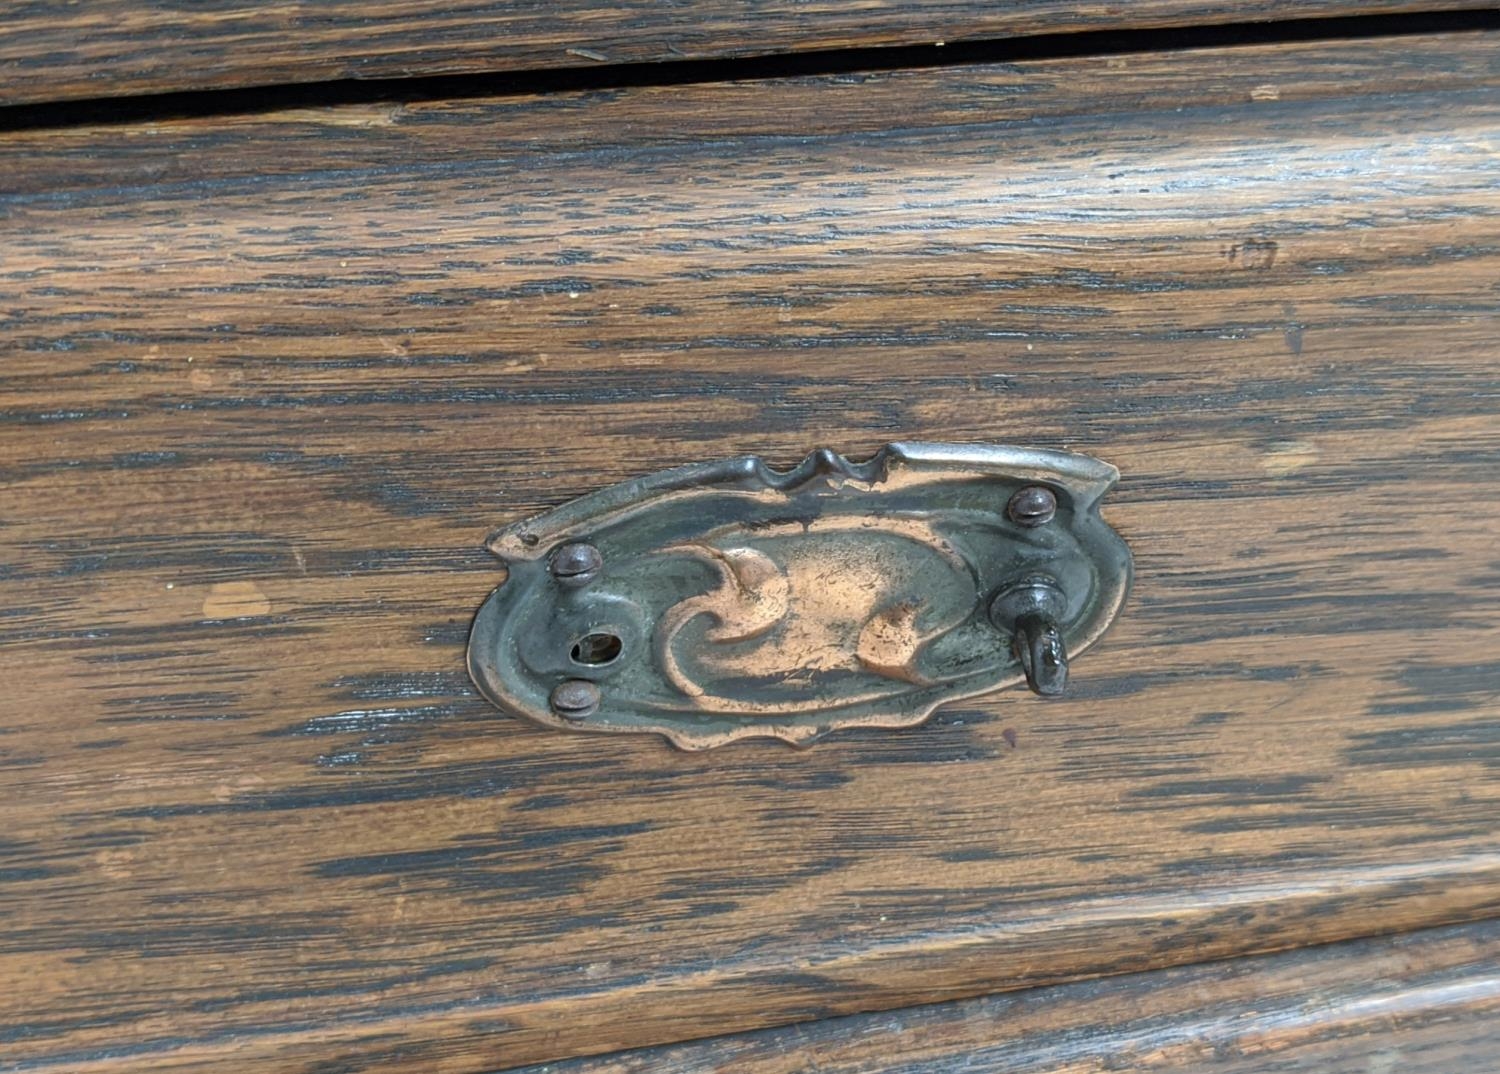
(262, 398)
(1424, 1003)
(52, 50)
(514, 131)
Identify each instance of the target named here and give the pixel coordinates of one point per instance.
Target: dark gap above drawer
(93, 53)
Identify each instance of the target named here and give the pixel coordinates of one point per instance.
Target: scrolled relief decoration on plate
(731, 600)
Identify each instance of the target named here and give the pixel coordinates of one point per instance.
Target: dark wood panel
(1424, 1003)
(55, 50)
(255, 424)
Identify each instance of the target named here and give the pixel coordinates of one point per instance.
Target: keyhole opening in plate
(596, 650)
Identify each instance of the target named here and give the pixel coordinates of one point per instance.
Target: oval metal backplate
(732, 600)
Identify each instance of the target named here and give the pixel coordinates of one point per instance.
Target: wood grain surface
(70, 49)
(266, 388)
(1423, 1003)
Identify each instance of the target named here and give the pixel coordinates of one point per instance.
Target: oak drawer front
(269, 381)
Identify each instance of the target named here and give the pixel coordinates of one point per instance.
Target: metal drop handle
(1039, 646)
(735, 599)
(1030, 610)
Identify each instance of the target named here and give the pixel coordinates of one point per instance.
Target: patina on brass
(732, 600)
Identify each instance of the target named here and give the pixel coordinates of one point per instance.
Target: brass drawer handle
(730, 600)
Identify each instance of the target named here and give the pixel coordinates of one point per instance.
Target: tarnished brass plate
(732, 600)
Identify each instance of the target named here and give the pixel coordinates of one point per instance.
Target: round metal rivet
(1032, 506)
(576, 564)
(575, 699)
